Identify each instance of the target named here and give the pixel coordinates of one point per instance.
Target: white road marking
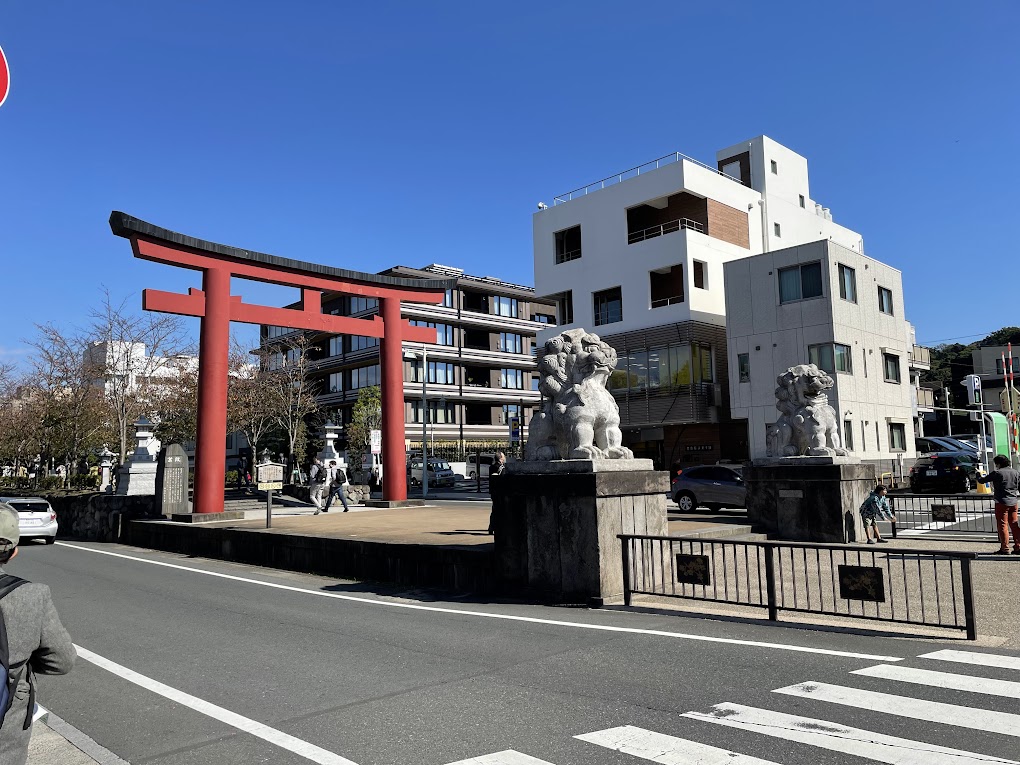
(973, 657)
(666, 750)
(272, 735)
(509, 757)
(948, 680)
(840, 738)
(902, 706)
(490, 615)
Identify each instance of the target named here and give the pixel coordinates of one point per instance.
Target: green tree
(365, 417)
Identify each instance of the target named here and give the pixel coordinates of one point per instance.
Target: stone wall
(356, 493)
(92, 516)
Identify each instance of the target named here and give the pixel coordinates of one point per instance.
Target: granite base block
(226, 515)
(808, 502)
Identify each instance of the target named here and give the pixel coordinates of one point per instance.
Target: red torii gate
(217, 308)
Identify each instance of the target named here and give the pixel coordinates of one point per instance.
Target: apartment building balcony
(920, 357)
(924, 399)
(668, 227)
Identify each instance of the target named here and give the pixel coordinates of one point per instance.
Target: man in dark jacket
(497, 468)
(37, 644)
(1006, 490)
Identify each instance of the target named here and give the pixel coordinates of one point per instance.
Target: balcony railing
(665, 228)
(920, 355)
(635, 171)
(925, 398)
(661, 303)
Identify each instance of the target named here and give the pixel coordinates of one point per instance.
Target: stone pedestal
(555, 525)
(809, 499)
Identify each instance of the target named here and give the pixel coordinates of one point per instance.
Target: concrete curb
(56, 742)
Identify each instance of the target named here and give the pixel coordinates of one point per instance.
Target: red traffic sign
(5, 77)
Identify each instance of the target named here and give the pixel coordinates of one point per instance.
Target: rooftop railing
(633, 172)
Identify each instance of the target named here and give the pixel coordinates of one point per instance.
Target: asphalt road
(233, 671)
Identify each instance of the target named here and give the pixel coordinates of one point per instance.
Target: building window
(847, 283)
(447, 299)
(505, 306)
(510, 410)
(360, 342)
(667, 287)
(802, 200)
(777, 229)
(565, 307)
(359, 304)
(848, 435)
(999, 369)
(510, 343)
(444, 332)
(608, 305)
(336, 345)
(700, 280)
(897, 437)
(665, 366)
(439, 372)
(511, 378)
(744, 367)
(775, 168)
(891, 366)
(831, 357)
(568, 244)
(536, 382)
(440, 412)
(363, 377)
(543, 318)
(336, 382)
(800, 282)
(885, 301)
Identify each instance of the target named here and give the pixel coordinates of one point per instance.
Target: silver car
(36, 519)
(711, 486)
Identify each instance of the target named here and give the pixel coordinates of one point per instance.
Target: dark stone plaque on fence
(693, 569)
(861, 583)
(172, 480)
(943, 513)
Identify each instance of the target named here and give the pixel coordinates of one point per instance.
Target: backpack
(341, 476)
(320, 474)
(8, 584)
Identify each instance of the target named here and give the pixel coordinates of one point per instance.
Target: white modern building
(825, 304)
(639, 258)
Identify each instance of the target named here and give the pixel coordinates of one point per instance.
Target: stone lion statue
(579, 417)
(807, 425)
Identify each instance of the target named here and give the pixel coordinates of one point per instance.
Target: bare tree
(64, 394)
(176, 405)
(293, 392)
(250, 395)
(135, 354)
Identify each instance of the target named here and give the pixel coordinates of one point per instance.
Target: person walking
(37, 643)
(243, 474)
(497, 468)
(318, 479)
(1006, 491)
(876, 508)
(337, 479)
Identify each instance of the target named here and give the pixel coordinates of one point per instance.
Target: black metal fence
(952, 513)
(877, 583)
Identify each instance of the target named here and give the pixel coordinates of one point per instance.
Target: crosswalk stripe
(947, 680)
(509, 757)
(666, 750)
(973, 657)
(917, 709)
(840, 738)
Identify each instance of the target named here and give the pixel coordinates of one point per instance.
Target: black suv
(945, 471)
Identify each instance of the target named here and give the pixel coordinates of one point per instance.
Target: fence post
(968, 599)
(770, 583)
(625, 550)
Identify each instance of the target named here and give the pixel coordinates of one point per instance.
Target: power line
(959, 337)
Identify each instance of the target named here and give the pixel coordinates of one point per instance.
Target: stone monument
(556, 515)
(172, 481)
(138, 474)
(809, 487)
(106, 470)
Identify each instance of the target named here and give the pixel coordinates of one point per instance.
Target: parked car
(440, 473)
(714, 486)
(945, 471)
(36, 519)
(934, 444)
(484, 462)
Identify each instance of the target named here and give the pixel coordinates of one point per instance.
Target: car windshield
(30, 507)
(439, 465)
(925, 462)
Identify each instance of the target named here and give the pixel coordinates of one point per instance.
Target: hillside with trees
(951, 362)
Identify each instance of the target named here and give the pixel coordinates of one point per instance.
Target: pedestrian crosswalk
(829, 701)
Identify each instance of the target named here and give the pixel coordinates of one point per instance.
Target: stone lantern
(106, 469)
(330, 432)
(138, 474)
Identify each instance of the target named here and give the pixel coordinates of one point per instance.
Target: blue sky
(369, 134)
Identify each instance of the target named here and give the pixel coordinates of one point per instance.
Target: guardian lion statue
(579, 417)
(808, 425)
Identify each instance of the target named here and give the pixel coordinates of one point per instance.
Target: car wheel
(688, 502)
(471, 474)
(965, 484)
(50, 540)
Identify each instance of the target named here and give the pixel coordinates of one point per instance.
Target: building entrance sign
(216, 308)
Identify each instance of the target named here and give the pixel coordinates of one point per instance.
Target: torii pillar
(216, 308)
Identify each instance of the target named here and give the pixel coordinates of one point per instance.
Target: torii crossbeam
(216, 308)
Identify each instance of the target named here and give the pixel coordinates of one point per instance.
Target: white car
(36, 519)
